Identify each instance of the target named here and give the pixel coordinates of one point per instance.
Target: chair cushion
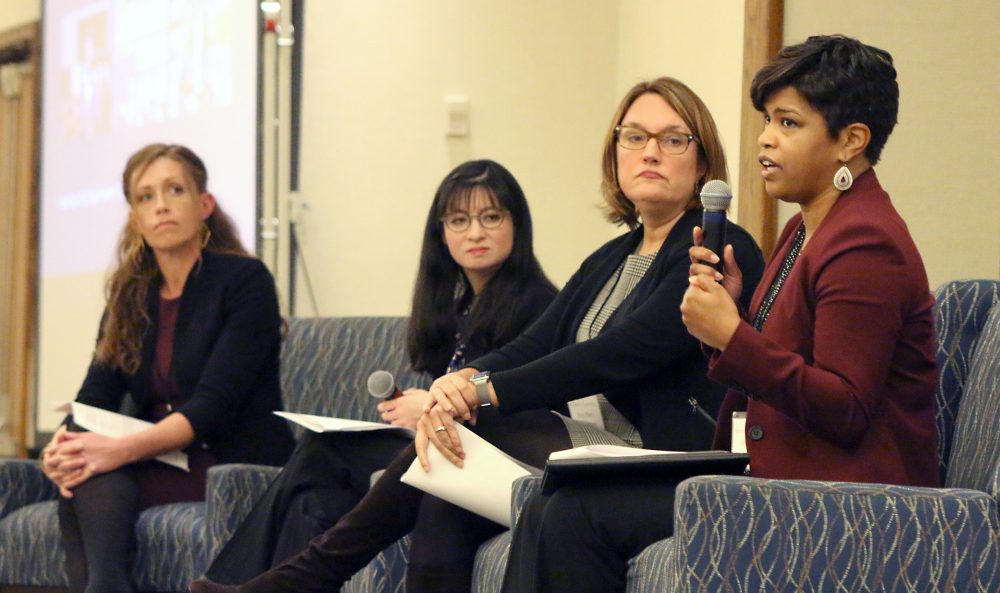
(22, 482)
(975, 451)
(960, 312)
(386, 573)
(748, 534)
(31, 551)
(170, 547)
(653, 571)
(491, 563)
(233, 490)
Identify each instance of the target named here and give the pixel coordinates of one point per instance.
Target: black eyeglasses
(670, 141)
(459, 221)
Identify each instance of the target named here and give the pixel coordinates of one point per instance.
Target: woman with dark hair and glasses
(478, 285)
(834, 362)
(614, 332)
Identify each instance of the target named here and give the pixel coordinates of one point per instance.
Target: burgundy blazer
(842, 377)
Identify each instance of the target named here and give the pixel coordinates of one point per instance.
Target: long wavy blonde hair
(126, 319)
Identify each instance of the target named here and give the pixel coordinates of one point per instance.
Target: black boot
(385, 514)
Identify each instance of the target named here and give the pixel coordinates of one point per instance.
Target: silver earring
(843, 180)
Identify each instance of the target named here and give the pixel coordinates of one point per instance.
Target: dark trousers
(580, 539)
(445, 538)
(324, 479)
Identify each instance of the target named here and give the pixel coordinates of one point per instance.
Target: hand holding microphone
(382, 385)
(715, 198)
(710, 255)
(399, 408)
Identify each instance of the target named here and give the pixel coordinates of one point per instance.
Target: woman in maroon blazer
(834, 364)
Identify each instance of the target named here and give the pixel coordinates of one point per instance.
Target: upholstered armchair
(325, 364)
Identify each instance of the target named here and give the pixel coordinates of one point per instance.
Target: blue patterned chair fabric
(325, 364)
(747, 534)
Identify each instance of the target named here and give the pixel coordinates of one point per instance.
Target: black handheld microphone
(715, 198)
(382, 385)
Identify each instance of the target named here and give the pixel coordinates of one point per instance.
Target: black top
(530, 304)
(227, 341)
(643, 360)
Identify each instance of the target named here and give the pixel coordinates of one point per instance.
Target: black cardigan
(644, 360)
(227, 343)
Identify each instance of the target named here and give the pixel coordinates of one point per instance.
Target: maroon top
(843, 372)
(160, 483)
(165, 393)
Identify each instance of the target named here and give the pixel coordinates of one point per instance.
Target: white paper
(594, 451)
(112, 424)
(329, 424)
(483, 486)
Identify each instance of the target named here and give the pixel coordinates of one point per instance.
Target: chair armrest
(521, 491)
(232, 491)
(22, 483)
(737, 533)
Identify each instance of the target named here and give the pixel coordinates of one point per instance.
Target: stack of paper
(483, 486)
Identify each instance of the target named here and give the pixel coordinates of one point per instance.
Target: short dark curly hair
(842, 78)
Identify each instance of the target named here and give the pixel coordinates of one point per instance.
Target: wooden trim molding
(763, 34)
(19, 162)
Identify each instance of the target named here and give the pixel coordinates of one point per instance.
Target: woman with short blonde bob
(191, 332)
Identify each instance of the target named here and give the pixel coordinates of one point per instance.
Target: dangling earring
(206, 234)
(843, 180)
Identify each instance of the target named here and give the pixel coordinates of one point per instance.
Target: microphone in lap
(382, 385)
(715, 198)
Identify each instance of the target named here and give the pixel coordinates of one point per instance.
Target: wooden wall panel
(762, 38)
(19, 124)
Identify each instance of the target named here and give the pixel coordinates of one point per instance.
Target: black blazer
(644, 360)
(227, 343)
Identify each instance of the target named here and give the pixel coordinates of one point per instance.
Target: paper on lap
(330, 424)
(596, 451)
(483, 486)
(112, 424)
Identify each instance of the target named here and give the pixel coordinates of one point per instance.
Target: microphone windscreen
(381, 384)
(716, 195)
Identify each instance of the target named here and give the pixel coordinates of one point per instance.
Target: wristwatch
(482, 382)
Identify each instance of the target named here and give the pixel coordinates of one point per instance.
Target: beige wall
(940, 164)
(540, 78)
(543, 79)
(19, 12)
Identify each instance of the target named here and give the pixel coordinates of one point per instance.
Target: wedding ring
(440, 428)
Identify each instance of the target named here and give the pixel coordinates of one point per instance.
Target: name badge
(739, 436)
(587, 409)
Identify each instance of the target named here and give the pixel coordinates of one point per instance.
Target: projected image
(87, 77)
(117, 75)
(123, 73)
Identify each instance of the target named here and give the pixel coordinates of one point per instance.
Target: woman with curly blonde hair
(191, 332)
